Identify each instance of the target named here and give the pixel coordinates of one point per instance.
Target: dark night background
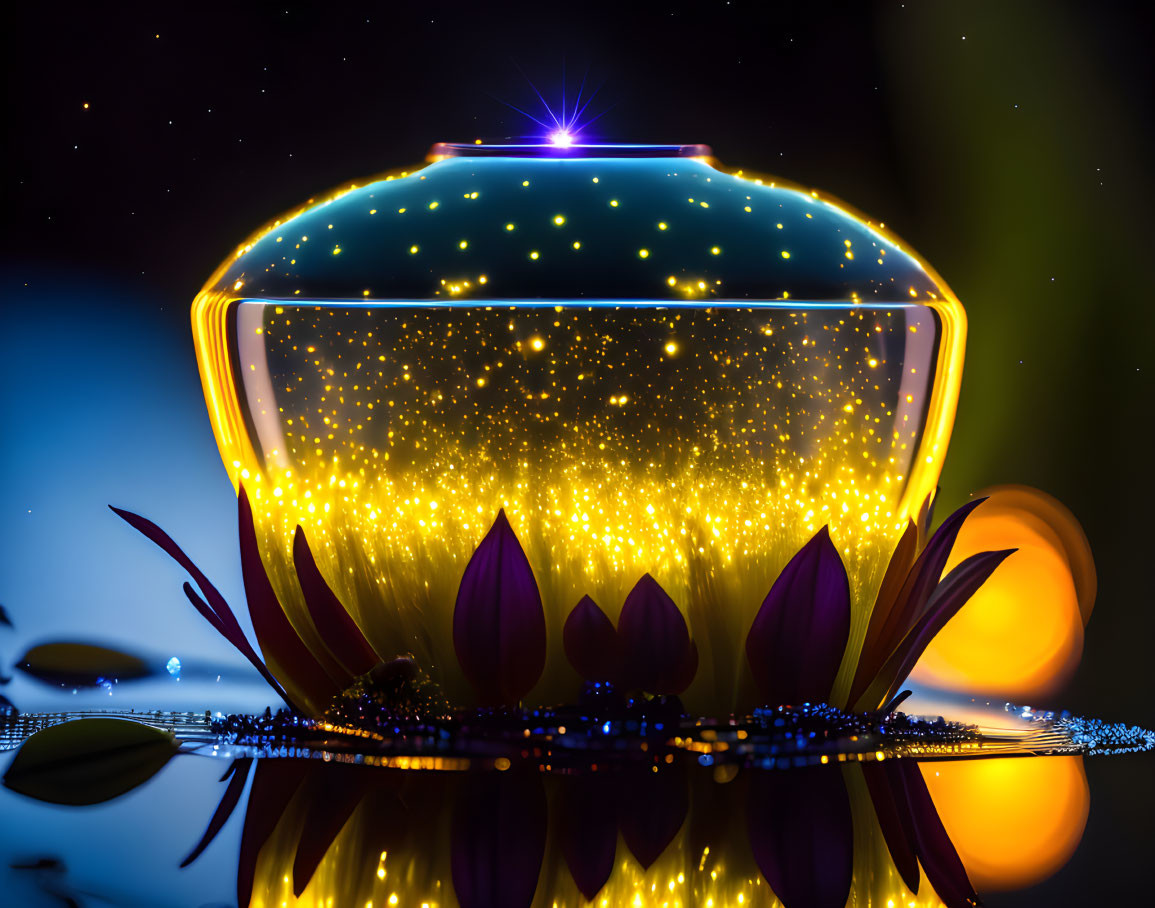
(1010, 143)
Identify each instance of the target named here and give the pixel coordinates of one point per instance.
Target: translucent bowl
(652, 365)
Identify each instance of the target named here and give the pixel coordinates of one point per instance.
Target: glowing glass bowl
(651, 364)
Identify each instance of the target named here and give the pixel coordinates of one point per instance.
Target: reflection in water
(1014, 821)
(324, 833)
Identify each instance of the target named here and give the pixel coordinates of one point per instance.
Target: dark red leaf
(498, 619)
(886, 631)
(591, 642)
(338, 630)
(216, 611)
(275, 781)
(802, 835)
(283, 649)
(897, 570)
(240, 775)
(332, 793)
(654, 639)
(796, 642)
(944, 869)
(952, 594)
(202, 607)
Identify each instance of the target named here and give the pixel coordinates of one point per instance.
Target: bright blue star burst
(561, 127)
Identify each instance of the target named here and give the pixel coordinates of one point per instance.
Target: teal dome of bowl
(586, 223)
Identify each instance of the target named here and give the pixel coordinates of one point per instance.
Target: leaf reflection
(809, 837)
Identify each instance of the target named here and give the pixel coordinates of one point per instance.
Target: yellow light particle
(671, 280)
(336, 250)
(463, 244)
(662, 225)
(715, 250)
(537, 343)
(413, 250)
(613, 203)
(399, 210)
(509, 226)
(433, 205)
(525, 182)
(559, 219)
(873, 362)
(535, 255)
(643, 253)
(785, 254)
(577, 244)
(671, 348)
(748, 208)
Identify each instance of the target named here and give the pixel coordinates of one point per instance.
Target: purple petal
(284, 651)
(954, 591)
(654, 640)
(802, 835)
(498, 621)
(588, 830)
(886, 631)
(498, 839)
(944, 869)
(796, 642)
(240, 775)
(338, 630)
(894, 819)
(686, 671)
(591, 643)
(652, 807)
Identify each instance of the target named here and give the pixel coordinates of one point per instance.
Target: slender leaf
(894, 819)
(897, 570)
(225, 808)
(884, 634)
(944, 869)
(952, 594)
(333, 622)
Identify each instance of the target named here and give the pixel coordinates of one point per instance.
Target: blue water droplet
(173, 667)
